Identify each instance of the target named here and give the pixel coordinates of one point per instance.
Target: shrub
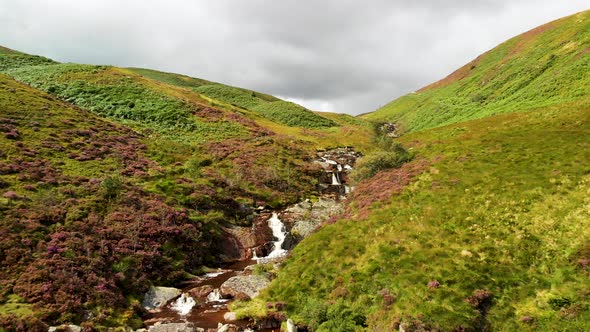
(293, 115)
(370, 165)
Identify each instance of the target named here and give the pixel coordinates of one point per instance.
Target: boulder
(230, 316)
(227, 328)
(239, 242)
(243, 287)
(289, 243)
(157, 297)
(201, 292)
(65, 328)
(175, 327)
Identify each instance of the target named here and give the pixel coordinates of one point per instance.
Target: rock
(227, 328)
(201, 292)
(175, 327)
(237, 240)
(157, 297)
(466, 253)
(291, 326)
(243, 287)
(65, 328)
(289, 242)
(230, 316)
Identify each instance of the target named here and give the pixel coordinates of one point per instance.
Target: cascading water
(335, 180)
(183, 304)
(278, 231)
(215, 296)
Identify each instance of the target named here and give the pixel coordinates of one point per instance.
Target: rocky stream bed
(201, 304)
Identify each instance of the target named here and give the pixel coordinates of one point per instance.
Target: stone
(201, 292)
(226, 328)
(239, 242)
(65, 328)
(230, 316)
(289, 243)
(157, 297)
(175, 327)
(243, 287)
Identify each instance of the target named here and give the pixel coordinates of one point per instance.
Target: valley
(138, 200)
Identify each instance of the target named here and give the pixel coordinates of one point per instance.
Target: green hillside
(487, 228)
(111, 181)
(476, 219)
(268, 106)
(545, 66)
(499, 204)
(14, 59)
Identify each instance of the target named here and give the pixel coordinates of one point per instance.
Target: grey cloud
(341, 55)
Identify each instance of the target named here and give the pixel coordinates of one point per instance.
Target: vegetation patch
(293, 115)
(497, 209)
(543, 67)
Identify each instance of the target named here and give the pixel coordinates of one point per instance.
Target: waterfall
(183, 304)
(278, 231)
(335, 181)
(215, 296)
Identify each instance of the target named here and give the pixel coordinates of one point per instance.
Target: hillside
(545, 66)
(111, 181)
(268, 106)
(477, 218)
(487, 228)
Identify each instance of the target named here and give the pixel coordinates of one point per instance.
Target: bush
(370, 165)
(293, 115)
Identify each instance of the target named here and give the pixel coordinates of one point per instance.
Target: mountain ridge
(527, 71)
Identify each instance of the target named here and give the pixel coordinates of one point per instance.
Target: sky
(328, 55)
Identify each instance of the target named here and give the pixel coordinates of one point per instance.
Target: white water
(214, 274)
(335, 180)
(278, 231)
(183, 304)
(215, 296)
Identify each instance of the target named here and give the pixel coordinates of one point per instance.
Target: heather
(94, 212)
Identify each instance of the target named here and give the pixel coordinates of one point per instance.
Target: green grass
(268, 106)
(191, 82)
(231, 95)
(10, 59)
(543, 67)
(293, 115)
(503, 207)
(16, 306)
(172, 79)
(113, 93)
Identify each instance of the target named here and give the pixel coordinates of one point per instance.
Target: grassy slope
(493, 206)
(182, 163)
(67, 177)
(70, 176)
(545, 66)
(268, 106)
(503, 206)
(282, 117)
(14, 59)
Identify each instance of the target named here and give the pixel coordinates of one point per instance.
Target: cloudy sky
(329, 55)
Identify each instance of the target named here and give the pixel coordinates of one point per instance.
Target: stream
(202, 302)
